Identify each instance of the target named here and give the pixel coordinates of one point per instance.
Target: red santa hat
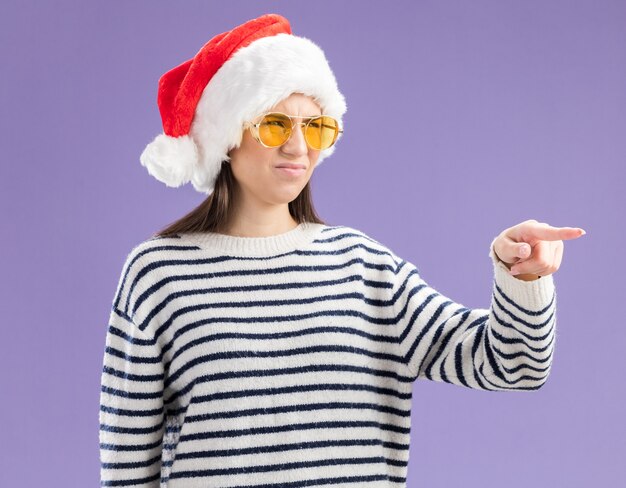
(236, 76)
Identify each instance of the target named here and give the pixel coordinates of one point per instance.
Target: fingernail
(583, 232)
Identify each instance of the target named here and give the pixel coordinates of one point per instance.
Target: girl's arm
(506, 347)
(131, 401)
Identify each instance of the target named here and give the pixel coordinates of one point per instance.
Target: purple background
(464, 118)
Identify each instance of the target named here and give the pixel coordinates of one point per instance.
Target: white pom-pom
(171, 160)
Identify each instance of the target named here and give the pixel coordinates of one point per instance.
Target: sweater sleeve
(506, 347)
(131, 406)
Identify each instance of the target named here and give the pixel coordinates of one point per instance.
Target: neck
(258, 220)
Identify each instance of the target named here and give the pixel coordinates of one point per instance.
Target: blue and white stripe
(290, 360)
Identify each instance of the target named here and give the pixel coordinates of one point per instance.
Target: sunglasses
(275, 128)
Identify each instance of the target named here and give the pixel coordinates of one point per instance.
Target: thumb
(522, 250)
(511, 251)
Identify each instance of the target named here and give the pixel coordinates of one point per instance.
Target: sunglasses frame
(254, 128)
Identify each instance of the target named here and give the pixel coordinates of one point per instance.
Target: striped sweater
(289, 360)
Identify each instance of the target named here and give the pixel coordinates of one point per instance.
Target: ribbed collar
(288, 241)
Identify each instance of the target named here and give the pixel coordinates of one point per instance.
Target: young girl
(251, 344)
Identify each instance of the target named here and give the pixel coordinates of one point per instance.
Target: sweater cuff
(535, 294)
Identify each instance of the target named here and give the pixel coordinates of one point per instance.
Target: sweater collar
(285, 242)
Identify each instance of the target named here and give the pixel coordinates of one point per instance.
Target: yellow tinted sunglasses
(275, 128)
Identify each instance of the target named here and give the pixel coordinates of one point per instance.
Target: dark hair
(213, 214)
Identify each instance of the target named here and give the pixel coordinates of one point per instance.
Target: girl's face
(255, 167)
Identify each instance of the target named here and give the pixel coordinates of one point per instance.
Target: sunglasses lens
(274, 129)
(321, 132)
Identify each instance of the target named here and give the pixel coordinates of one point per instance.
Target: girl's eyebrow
(303, 116)
(306, 116)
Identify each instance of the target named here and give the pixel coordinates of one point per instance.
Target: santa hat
(236, 76)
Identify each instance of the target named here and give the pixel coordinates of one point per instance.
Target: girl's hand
(533, 249)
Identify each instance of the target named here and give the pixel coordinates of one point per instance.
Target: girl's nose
(296, 144)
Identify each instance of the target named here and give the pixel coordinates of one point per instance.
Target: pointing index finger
(548, 233)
